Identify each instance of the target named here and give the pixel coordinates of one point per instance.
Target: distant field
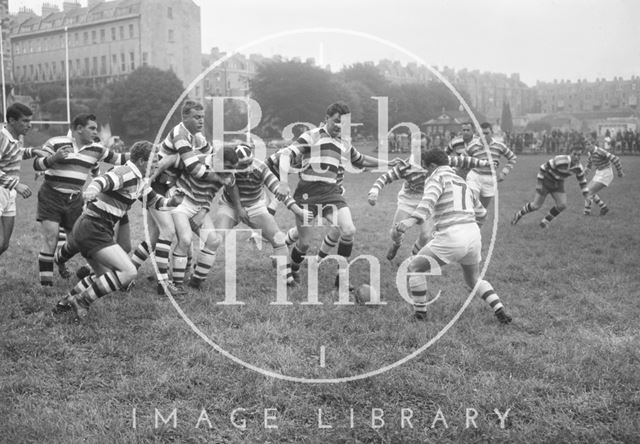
(566, 368)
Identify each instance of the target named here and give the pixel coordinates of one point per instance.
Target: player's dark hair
(189, 105)
(18, 110)
(486, 125)
(229, 155)
(577, 146)
(434, 155)
(338, 107)
(82, 119)
(141, 150)
(469, 123)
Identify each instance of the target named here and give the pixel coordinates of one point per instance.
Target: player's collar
(7, 133)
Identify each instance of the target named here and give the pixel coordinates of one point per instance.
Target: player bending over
(108, 199)
(601, 160)
(457, 237)
(551, 178)
(411, 193)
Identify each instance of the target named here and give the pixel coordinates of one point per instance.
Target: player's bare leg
(395, 235)
(420, 265)
(6, 229)
(114, 271)
(210, 242)
(561, 204)
(592, 196)
(347, 233)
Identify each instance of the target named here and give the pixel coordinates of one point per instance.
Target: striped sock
(599, 201)
(189, 262)
(418, 289)
(488, 294)
(179, 264)
(345, 247)
(553, 212)
(45, 269)
(297, 257)
(63, 254)
(587, 206)
(101, 286)
(81, 286)
(285, 269)
(141, 254)
(205, 261)
(62, 238)
(328, 244)
(292, 236)
(163, 249)
(524, 210)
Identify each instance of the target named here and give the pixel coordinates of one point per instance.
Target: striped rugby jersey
(119, 189)
(250, 182)
(497, 149)
(415, 176)
(69, 175)
(322, 155)
(602, 159)
(560, 167)
(11, 154)
(197, 191)
(180, 141)
(448, 201)
(458, 147)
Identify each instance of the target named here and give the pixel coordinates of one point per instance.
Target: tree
(506, 122)
(140, 103)
(291, 92)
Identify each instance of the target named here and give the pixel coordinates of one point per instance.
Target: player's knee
(303, 246)
(418, 265)
(348, 231)
(128, 274)
(184, 240)
(213, 241)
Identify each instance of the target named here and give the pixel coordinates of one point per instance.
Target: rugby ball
(364, 294)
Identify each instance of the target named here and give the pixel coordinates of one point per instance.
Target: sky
(542, 40)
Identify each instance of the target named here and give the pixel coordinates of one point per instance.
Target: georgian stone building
(106, 40)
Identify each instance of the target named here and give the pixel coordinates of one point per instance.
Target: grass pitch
(566, 369)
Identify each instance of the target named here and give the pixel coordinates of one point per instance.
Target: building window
(113, 34)
(170, 36)
(86, 66)
(170, 12)
(132, 61)
(123, 66)
(121, 32)
(131, 31)
(114, 63)
(94, 36)
(94, 71)
(103, 65)
(103, 35)
(145, 58)
(86, 37)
